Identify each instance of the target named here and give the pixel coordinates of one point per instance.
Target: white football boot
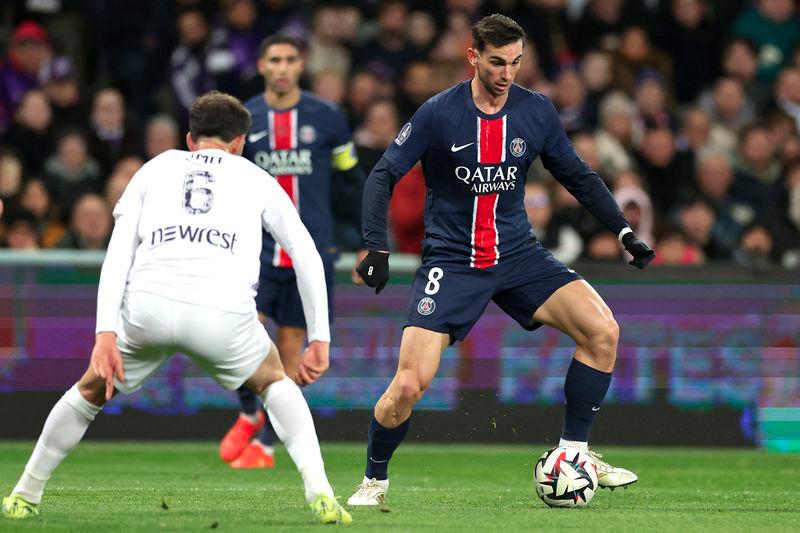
(370, 492)
(611, 477)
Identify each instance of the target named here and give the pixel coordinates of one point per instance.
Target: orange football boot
(239, 436)
(255, 456)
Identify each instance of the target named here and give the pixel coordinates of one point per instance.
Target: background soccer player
(476, 141)
(179, 275)
(301, 140)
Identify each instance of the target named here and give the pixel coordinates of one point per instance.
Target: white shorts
(229, 346)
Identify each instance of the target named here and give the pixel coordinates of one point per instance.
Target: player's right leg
(64, 428)
(259, 452)
(294, 425)
(143, 334)
(252, 418)
(420, 353)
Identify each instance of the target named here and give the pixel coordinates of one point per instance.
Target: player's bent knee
(93, 389)
(411, 390)
(603, 340)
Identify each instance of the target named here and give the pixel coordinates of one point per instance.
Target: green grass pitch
(145, 486)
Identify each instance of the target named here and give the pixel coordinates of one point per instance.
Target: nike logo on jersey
(255, 137)
(455, 148)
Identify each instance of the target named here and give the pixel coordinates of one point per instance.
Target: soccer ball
(565, 477)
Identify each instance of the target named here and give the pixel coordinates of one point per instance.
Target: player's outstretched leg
(291, 417)
(259, 452)
(251, 419)
(420, 351)
(63, 429)
(577, 310)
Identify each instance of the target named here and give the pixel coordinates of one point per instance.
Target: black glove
(642, 254)
(374, 269)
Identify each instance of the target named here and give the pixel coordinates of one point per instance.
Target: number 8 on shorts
(434, 276)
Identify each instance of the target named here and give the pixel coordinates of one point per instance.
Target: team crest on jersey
(517, 147)
(426, 306)
(307, 134)
(403, 135)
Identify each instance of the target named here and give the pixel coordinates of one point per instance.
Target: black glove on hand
(374, 269)
(642, 254)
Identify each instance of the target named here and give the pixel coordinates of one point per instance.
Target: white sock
(583, 446)
(293, 424)
(63, 429)
(383, 482)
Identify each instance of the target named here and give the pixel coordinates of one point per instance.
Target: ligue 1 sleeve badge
(426, 306)
(517, 147)
(403, 135)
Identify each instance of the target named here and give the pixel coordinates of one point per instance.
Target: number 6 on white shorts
(434, 275)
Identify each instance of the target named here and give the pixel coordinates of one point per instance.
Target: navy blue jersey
(301, 147)
(475, 166)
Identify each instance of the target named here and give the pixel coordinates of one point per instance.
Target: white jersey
(188, 227)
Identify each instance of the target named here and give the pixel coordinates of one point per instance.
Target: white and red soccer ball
(565, 477)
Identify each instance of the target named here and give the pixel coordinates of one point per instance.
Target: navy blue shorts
(450, 298)
(278, 298)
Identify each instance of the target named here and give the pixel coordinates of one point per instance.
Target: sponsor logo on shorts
(403, 135)
(426, 306)
(517, 147)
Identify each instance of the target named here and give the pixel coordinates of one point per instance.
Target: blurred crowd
(688, 109)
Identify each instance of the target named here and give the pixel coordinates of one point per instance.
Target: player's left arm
(344, 161)
(560, 158)
(281, 219)
(106, 359)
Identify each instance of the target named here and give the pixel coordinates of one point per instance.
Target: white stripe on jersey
(478, 142)
(503, 157)
(474, 218)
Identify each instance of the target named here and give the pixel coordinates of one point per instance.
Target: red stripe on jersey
(491, 140)
(281, 134)
(491, 150)
(484, 232)
(284, 137)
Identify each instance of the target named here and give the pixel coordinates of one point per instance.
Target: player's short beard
(273, 88)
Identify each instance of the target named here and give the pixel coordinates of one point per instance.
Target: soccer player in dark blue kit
(300, 140)
(476, 141)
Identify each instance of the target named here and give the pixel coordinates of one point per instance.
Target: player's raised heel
(328, 511)
(370, 492)
(611, 477)
(16, 508)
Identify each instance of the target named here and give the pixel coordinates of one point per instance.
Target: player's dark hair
(279, 38)
(217, 114)
(496, 30)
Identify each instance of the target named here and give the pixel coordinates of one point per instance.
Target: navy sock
(382, 444)
(584, 390)
(267, 435)
(248, 401)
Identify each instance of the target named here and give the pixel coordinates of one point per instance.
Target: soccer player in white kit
(180, 274)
